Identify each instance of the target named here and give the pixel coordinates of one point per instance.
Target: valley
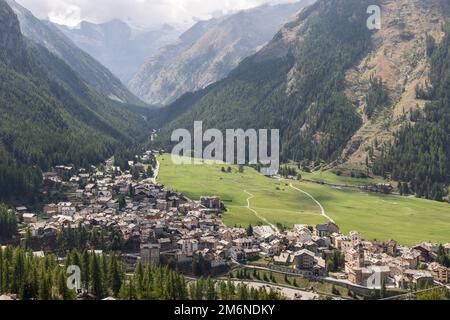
(406, 219)
(358, 117)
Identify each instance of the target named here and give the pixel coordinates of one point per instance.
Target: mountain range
(91, 71)
(116, 45)
(340, 93)
(345, 97)
(50, 115)
(208, 51)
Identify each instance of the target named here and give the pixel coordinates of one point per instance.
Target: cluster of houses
(172, 229)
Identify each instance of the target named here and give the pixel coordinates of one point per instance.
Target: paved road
(322, 209)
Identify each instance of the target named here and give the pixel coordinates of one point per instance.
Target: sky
(138, 13)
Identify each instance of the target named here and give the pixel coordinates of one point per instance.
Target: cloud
(145, 13)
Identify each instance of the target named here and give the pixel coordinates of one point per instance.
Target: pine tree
(96, 278)
(210, 290)
(115, 279)
(85, 270)
(138, 278)
(250, 231)
(127, 291)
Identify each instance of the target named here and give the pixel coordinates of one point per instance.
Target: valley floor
(251, 198)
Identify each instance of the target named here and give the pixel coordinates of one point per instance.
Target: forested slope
(49, 115)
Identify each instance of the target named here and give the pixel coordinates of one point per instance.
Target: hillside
(91, 71)
(208, 51)
(119, 47)
(295, 83)
(398, 58)
(419, 156)
(338, 92)
(49, 115)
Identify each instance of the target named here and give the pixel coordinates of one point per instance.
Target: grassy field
(330, 177)
(273, 200)
(407, 220)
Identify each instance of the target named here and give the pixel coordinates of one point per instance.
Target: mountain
(295, 83)
(208, 51)
(119, 47)
(342, 95)
(47, 35)
(49, 115)
(419, 156)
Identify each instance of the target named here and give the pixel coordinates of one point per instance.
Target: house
(322, 242)
(243, 243)
(311, 246)
(324, 230)
(237, 254)
(266, 248)
(263, 232)
(284, 259)
(342, 243)
(421, 278)
(211, 203)
(188, 246)
(447, 248)
(113, 204)
(162, 204)
(39, 254)
(207, 224)
(140, 167)
(371, 276)
(389, 247)
(165, 244)
(411, 258)
(150, 254)
(304, 235)
(301, 227)
(20, 211)
(251, 253)
(29, 218)
(441, 273)
(37, 229)
(425, 254)
(304, 259)
(50, 210)
(355, 258)
(355, 237)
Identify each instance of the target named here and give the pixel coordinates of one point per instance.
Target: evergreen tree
(96, 277)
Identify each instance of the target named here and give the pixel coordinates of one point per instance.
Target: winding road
(257, 214)
(322, 209)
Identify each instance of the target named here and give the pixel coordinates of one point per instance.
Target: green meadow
(406, 219)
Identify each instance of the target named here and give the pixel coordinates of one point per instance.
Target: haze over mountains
(46, 34)
(208, 51)
(117, 46)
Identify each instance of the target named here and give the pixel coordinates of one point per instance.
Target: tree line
(8, 223)
(45, 278)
